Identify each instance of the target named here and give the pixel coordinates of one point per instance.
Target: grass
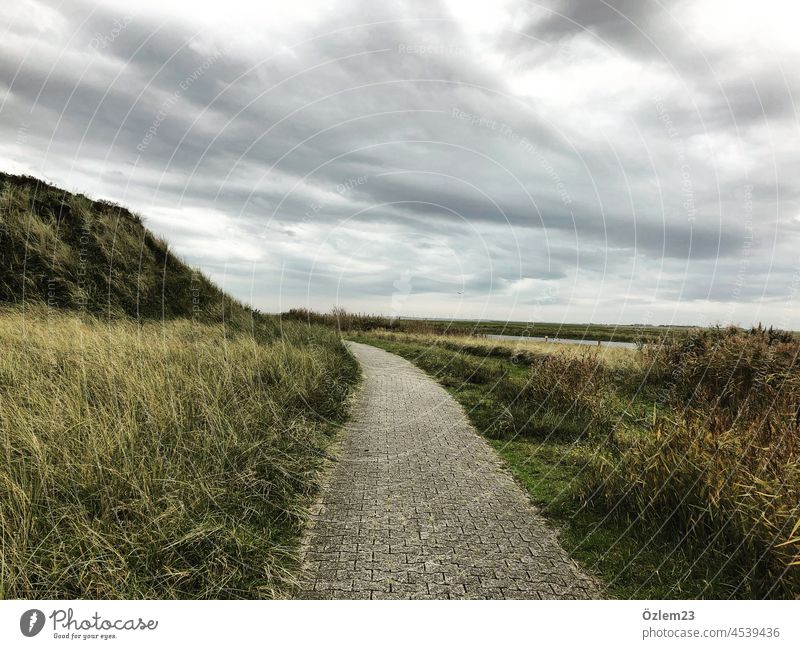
(586, 331)
(658, 509)
(159, 460)
(159, 439)
(525, 352)
(630, 562)
(71, 252)
(345, 321)
(162, 440)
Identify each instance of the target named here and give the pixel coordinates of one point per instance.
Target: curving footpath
(418, 506)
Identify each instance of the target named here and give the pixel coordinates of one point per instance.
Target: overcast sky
(625, 161)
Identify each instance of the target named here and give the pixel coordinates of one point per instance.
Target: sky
(626, 161)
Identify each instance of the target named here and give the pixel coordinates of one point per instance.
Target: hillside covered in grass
(71, 252)
(158, 439)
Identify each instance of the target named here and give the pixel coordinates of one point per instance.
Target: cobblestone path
(419, 506)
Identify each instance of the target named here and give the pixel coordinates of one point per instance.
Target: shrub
(572, 388)
(720, 463)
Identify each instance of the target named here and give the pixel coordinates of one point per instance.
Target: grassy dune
(158, 437)
(71, 252)
(673, 470)
(164, 460)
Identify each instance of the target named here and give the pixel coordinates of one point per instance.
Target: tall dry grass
(719, 464)
(159, 460)
(696, 441)
(521, 351)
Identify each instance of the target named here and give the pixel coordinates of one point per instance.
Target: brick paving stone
(418, 506)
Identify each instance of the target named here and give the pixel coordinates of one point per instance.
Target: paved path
(419, 506)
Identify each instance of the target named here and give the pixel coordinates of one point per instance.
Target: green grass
(554, 454)
(631, 562)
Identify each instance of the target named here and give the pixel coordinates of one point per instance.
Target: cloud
(614, 161)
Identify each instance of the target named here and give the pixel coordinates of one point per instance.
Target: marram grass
(164, 460)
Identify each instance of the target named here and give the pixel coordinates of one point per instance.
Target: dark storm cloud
(625, 23)
(337, 154)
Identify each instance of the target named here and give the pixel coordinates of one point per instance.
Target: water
(566, 341)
